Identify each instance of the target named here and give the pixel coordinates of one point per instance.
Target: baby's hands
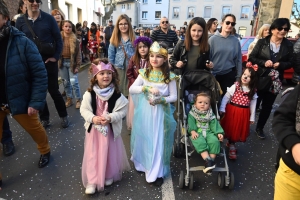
(105, 120)
(251, 122)
(97, 120)
(154, 91)
(220, 137)
(195, 135)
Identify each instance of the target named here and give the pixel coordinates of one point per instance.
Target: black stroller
(190, 84)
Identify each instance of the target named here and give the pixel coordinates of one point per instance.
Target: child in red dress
(93, 47)
(240, 111)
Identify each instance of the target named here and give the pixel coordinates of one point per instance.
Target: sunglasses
(216, 23)
(165, 22)
(232, 23)
(285, 29)
(37, 1)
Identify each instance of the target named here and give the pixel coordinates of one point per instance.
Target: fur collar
(72, 40)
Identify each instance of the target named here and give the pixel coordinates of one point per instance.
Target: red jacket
(133, 71)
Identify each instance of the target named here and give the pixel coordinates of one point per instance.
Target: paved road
(61, 179)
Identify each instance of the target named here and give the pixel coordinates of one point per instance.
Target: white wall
(125, 8)
(216, 11)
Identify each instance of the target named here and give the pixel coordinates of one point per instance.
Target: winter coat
(261, 53)
(26, 75)
(180, 54)
(75, 59)
(297, 57)
(133, 71)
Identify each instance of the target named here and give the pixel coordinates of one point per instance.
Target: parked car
(246, 41)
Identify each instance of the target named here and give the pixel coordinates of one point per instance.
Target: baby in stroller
(206, 132)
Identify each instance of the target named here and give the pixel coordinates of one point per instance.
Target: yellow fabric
(33, 126)
(287, 183)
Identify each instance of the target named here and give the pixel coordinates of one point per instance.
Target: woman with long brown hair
(193, 52)
(121, 49)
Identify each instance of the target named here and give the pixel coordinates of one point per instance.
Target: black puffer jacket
(180, 54)
(261, 53)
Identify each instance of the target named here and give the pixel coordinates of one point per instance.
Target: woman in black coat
(273, 54)
(193, 52)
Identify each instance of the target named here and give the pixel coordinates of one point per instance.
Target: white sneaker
(108, 182)
(90, 189)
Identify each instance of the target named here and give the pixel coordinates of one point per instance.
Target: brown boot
(69, 102)
(78, 104)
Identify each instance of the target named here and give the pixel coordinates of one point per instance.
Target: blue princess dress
(153, 127)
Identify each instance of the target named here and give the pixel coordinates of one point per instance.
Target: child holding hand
(206, 132)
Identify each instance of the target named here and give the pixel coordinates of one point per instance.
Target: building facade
(181, 11)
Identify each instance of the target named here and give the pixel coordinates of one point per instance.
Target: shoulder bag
(44, 48)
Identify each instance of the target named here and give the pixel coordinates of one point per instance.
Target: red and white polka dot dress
(236, 122)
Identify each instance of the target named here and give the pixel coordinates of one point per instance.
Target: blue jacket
(116, 55)
(26, 76)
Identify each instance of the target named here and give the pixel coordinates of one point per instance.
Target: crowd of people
(134, 72)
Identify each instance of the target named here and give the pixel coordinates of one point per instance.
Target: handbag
(44, 48)
(264, 83)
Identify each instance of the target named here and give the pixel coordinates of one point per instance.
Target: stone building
(271, 9)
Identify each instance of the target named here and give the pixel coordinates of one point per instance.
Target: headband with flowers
(144, 40)
(249, 64)
(100, 67)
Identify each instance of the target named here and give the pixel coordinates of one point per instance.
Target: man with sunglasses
(23, 83)
(164, 34)
(45, 28)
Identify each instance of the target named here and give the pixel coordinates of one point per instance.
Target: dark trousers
(226, 80)
(267, 100)
(106, 48)
(52, 70)
(6, 134)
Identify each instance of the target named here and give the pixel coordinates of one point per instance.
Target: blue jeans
(7, 134)
(70, 80)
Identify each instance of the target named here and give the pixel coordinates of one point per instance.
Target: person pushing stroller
(206, 131)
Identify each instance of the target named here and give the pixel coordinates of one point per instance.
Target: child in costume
(101, 48)
(103, 107)
(93, 47)
(206, 132)
(138, 61)
(153, 125)
(240, 111)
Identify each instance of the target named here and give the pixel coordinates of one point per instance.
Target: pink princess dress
(104, 158)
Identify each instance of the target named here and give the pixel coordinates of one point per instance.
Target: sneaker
(209, 166)
(232, 152)
(90, 189)
(108, 182)
(78, 104)
(45, 123)
(65, 122)
(69, 102)
(63, 93)
(260, 133)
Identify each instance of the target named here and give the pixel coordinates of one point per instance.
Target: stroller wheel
(181, 179)
(231, 184)
(191, 183)
(221, 180)
(176, 150)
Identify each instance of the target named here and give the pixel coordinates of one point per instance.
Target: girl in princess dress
(103, 107)
(153, 125)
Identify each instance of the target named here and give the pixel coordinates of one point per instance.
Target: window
(158, 1)
(191, 12)
(158, 14)
(175, 12)
(128, 6)
(245, 12)
(207, 12)
(225, 10)
(144, 15)
(145, 1)
(123, 6)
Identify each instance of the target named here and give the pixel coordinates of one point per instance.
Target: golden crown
(156, 48)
